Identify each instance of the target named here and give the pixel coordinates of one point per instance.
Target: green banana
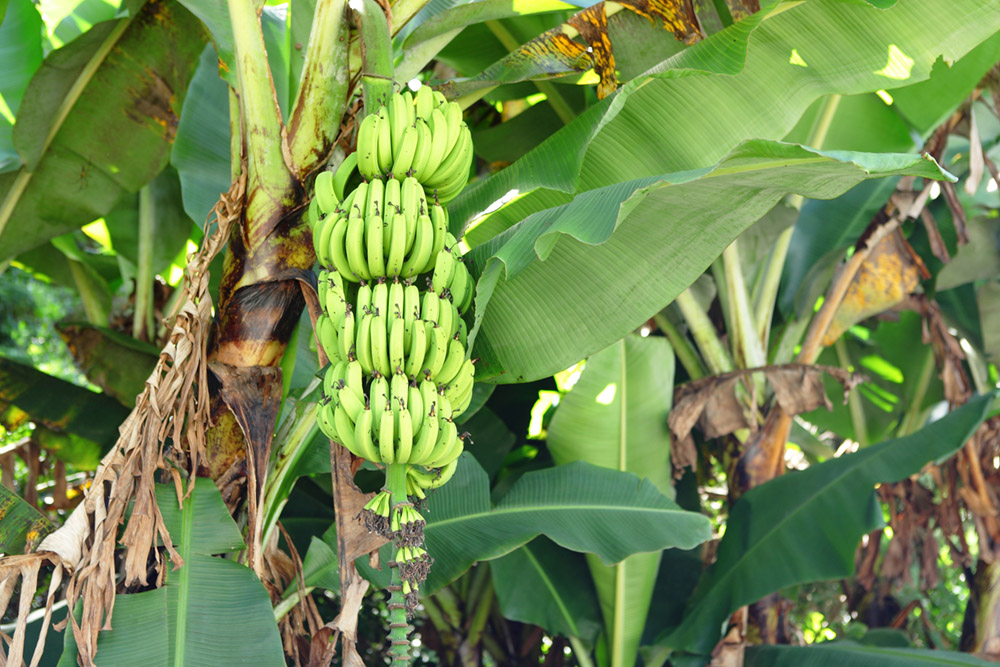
(430, 308)
(397, 245)
(404, 435)
(444, 266)
(363, 348)
(380, 299)
(384, 140)
(355, 245)
(338, 255)
(385, 436)
(343, 173)
(324, 194)
(345, 430)
(415, 404)
(394, 308)
(380, 346)
(347, 335)
(407, 151)
(452, 364)
(379, 396)
(396, 347)
(373, 238)
(417, 349)
(363, 436)
(368, 147)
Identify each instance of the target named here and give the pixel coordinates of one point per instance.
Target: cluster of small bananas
(422, 136)
(399, 371)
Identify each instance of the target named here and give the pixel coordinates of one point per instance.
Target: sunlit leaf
(570, 280)
(615, 416)
(97, 120)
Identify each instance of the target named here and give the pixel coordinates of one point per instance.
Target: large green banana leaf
(568, 281)
(546, 585)
(616, 417)
(805, 526)
(20, 524)
(21, 54)
(201, 151)
(212, 611)
(850, 654)
(97, 120)
(581, 507)
(790, 54)
(61, 405)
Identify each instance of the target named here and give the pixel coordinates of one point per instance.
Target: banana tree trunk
(269, 255)
(981, 629)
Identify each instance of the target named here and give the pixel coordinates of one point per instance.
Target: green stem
(294, 437)
(977, 368)
(479, 616)
(746, 344)
(712, 350)
(723, 11)
(857, 411)
(552, 95)
(268, 177)
(682, 348)
(448, 602)
(235, 135)
(445, 631)
(417, 57)
(768, 295)
(580, 652)
(376, 54)
(90, 293)
(913, 417)
(791, 336)
(395, 482)
(289, 603)
(403, 11)
(315, 118)
(142, 319)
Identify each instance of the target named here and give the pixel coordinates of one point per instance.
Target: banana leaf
(190, 620)
(805, 526)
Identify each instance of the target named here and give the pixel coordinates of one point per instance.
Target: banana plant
(592, 174)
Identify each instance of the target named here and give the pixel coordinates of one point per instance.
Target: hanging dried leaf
(173, 406)
(891, 271)
(712, 402)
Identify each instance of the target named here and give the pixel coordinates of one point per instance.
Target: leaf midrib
(556, 508)
(552, 589)
(62, 111)
(184, 582)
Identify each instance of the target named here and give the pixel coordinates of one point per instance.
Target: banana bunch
(383, 229)
(392, 421)
(395, 294)
(421, 136)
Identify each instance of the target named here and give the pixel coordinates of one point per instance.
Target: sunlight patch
(98, 231)
(899, 65)
(886, 97)
(796, 59)
(607, 394)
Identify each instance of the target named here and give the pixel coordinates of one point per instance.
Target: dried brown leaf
(253, 394)
(712, 403)
(173, 405)
(887, 275)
